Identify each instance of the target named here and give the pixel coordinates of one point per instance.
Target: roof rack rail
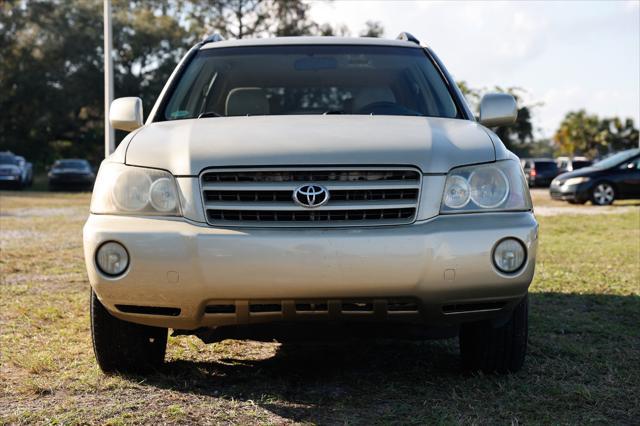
(407, 37)
(212, 38)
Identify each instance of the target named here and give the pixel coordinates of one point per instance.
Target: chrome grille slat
(290, 206)
(290, 186)
(311, 175)
(366, 196)
(212, 196)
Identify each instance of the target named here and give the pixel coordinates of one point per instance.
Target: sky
(567, 55)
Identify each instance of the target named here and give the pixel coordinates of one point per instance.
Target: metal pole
(109, 135)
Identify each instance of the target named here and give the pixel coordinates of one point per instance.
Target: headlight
(488, 187)
(121, 189)
(576, 181)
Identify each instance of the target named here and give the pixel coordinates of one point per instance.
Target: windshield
(616, 159)
(71, 164)
(284, 80)
(8, 159)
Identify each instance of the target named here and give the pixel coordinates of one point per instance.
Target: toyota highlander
(296, 183)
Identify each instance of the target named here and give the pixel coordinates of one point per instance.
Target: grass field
(583, 364)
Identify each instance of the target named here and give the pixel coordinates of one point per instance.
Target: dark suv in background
(539, 171)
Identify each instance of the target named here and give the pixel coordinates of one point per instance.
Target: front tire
(496, 349)
(603, 194)
(122, 346)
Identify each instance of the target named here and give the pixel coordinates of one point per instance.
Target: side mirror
(126, 113)
(498, 109)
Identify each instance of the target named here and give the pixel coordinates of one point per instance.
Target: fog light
(509, 255)
(112, 258)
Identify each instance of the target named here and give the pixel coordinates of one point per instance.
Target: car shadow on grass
(319, 382)
(579, 367)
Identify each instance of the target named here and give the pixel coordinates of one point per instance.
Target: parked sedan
(10, 172)
(72, 174)
(616, 177)
(539, 171)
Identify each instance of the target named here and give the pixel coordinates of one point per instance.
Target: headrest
(247, 101)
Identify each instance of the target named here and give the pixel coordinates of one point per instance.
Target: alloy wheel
(603, 194)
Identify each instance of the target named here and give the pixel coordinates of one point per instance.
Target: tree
(581, 133)
(51, 59)
(373, 29)
(254, 18)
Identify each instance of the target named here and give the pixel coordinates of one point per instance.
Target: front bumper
(578, 193)
(443, 264)
(70, 180)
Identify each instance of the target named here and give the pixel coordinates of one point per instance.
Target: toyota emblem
(311, 196)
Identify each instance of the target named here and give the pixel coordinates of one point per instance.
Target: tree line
(51, 66)
(51, 60)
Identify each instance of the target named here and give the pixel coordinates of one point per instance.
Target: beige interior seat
(247, 101)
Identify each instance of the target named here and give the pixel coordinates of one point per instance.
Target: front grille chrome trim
(253, 197)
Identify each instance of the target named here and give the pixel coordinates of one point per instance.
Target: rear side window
(310, 79)
(545, 165)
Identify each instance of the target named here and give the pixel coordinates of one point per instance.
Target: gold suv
(310, 183)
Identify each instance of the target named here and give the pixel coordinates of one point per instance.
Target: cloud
(569, 55)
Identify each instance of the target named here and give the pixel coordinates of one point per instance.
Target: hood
(9, 167)
(585, 171)
(186, 147)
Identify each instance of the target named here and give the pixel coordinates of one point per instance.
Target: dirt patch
(587, 210)
(69, 212)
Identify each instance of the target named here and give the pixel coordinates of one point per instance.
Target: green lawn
(583, 364)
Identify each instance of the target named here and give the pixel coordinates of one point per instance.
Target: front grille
(357, 196)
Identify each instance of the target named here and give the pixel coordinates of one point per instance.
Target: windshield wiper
(210, 114)
(333, 111)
